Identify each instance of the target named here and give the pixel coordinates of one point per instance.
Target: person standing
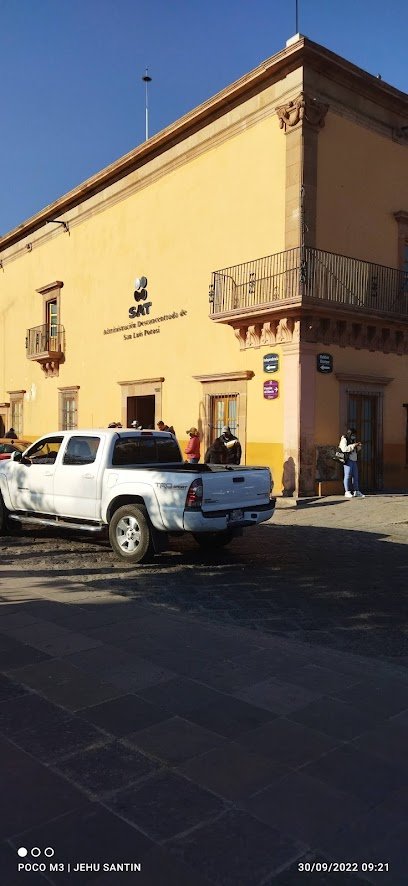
(350, 446)
(216, 453)
(163, 427)
(11, 435)
(232, 445)
(192, 450)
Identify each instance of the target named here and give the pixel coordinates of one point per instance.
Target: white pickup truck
(134, 483)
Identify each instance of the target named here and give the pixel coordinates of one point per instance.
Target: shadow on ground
(340, 588)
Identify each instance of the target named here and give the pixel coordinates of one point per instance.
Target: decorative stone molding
(142, 381)
(310, 329)
(272, 332)
(50, 368)
(302, 109)
(240, 375)
(363, 379)
(361, 335)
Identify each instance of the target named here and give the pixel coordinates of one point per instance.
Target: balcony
(46, 345)
(306, 278)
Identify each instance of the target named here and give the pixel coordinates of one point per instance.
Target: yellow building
(304, 161)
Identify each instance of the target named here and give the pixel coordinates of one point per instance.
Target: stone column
(301, 119)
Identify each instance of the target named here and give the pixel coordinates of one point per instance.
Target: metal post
(146, 79)
(297, 17)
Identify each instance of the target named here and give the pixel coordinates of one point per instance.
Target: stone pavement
(135, 732)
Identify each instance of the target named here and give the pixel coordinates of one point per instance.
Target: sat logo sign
(140, 295)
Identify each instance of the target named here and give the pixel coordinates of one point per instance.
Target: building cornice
(304, 52)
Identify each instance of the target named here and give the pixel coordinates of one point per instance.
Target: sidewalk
(209, 754)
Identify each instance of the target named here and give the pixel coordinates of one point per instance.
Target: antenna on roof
(296, 16)
(146, 79)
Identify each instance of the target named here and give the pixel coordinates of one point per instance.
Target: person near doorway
(11, 435)
(232, 445)
(163, 427)
(192, 450)
(351, 447)
(216, 453)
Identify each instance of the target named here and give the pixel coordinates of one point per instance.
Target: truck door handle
(48, 473)
(89, 476)
(238, 479)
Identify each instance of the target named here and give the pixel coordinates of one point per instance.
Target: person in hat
(192, 450)
(232, 445)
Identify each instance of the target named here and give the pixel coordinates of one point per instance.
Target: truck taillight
(270, 484)
(195, 495)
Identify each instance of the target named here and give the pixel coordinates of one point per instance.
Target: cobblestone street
(332, 572)
(239, 719)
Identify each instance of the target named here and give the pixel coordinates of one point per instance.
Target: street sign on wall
(271, 390)
(324, 363)
(271, 362)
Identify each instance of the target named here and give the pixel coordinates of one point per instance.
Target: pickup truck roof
(108, 432)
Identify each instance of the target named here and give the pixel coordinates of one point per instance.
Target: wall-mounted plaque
(324, 363)
(271, 390)
(271, 362)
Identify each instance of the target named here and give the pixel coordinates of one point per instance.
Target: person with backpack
(350, 446)
(216, 453)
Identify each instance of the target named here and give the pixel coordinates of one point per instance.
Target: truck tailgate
(237, 488)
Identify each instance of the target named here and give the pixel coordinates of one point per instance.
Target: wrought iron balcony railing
(45, 341)
(303, 276)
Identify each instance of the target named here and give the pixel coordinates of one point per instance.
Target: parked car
(135, 484)
(7, 447)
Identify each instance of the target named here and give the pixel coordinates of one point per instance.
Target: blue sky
(72, 95)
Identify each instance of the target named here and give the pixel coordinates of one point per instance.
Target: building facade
(247, 266)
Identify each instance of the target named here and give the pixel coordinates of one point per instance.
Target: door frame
(371, 386)
(141, 387)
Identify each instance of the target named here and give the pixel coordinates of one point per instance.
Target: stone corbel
(386, 341)
(285, 330)
(268, 334)
(303, 108)
(240, 334)
(50, 368)
(253, 339)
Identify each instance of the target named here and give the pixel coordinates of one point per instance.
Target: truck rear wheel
(129, 533)
(214, 540)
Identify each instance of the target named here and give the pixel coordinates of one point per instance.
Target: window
(16, 411)
(52, 323)
(45, 451)
(81, 450)
(224, 411)
(68, 408)
(144, 450)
